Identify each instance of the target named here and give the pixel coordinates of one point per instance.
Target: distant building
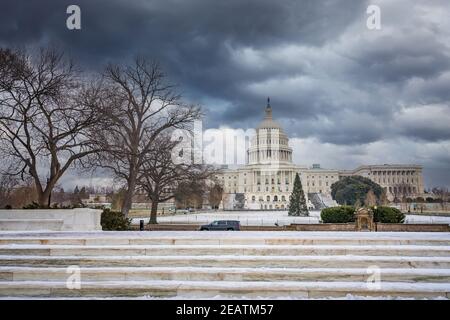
(266, 181)
(97, 200)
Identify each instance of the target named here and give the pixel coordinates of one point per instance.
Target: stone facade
(266, 181)
(398, 180)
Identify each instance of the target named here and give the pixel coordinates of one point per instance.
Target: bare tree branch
(44, 125)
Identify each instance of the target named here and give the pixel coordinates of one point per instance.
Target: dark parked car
(231, 225)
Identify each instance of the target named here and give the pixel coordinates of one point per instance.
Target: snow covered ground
(247, 218)
(426, 219)
(268, 218)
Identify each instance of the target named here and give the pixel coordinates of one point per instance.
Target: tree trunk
(43, 198)
(128, 199)
(154, 212)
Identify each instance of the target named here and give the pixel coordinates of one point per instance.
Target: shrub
(342, 214)
(388, 215)
(114, 221)
(8, 207)
(33, 205)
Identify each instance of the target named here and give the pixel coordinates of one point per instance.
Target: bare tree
(215, 194)
(7, 185)
(138, 104)
(371, 199)
(442, 195)
(20, 193)
(191, 193)
(44, 121)
(383, 201)
(159, 176)
(401, 193)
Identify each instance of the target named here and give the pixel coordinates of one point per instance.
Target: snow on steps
(345, 261)
(223, 274)
(226, 238)
(226, 264)
(201, 289)
(187, 250)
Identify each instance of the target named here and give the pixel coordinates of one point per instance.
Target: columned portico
(266, 180)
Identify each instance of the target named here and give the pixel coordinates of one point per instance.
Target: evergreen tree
(297, 201)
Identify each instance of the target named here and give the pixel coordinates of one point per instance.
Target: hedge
(114, 221)
(388, 215)
(341, 214)
(345, 214)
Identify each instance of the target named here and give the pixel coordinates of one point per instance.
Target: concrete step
(209, 289)
(187, 250)
(226, 238)
(336, 261)
(218, 241)
(223, 274)
(224, 264)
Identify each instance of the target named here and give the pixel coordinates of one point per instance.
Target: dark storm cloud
(329, 77)
(192, 39)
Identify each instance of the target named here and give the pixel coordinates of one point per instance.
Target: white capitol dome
(270, 144)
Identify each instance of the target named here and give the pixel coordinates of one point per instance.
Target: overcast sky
(346, 95)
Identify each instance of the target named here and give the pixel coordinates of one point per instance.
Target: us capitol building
(266, 181)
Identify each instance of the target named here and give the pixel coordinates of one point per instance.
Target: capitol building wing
(266, 181)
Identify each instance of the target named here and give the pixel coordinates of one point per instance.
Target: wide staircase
(316, 200)
(321, 200)
(295, 265)
(327, 200)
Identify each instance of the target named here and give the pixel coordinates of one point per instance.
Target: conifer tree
(297, 201)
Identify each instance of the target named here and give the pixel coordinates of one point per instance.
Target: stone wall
(323, 227)
(81, 219)
(413, 227)
(394, 227)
